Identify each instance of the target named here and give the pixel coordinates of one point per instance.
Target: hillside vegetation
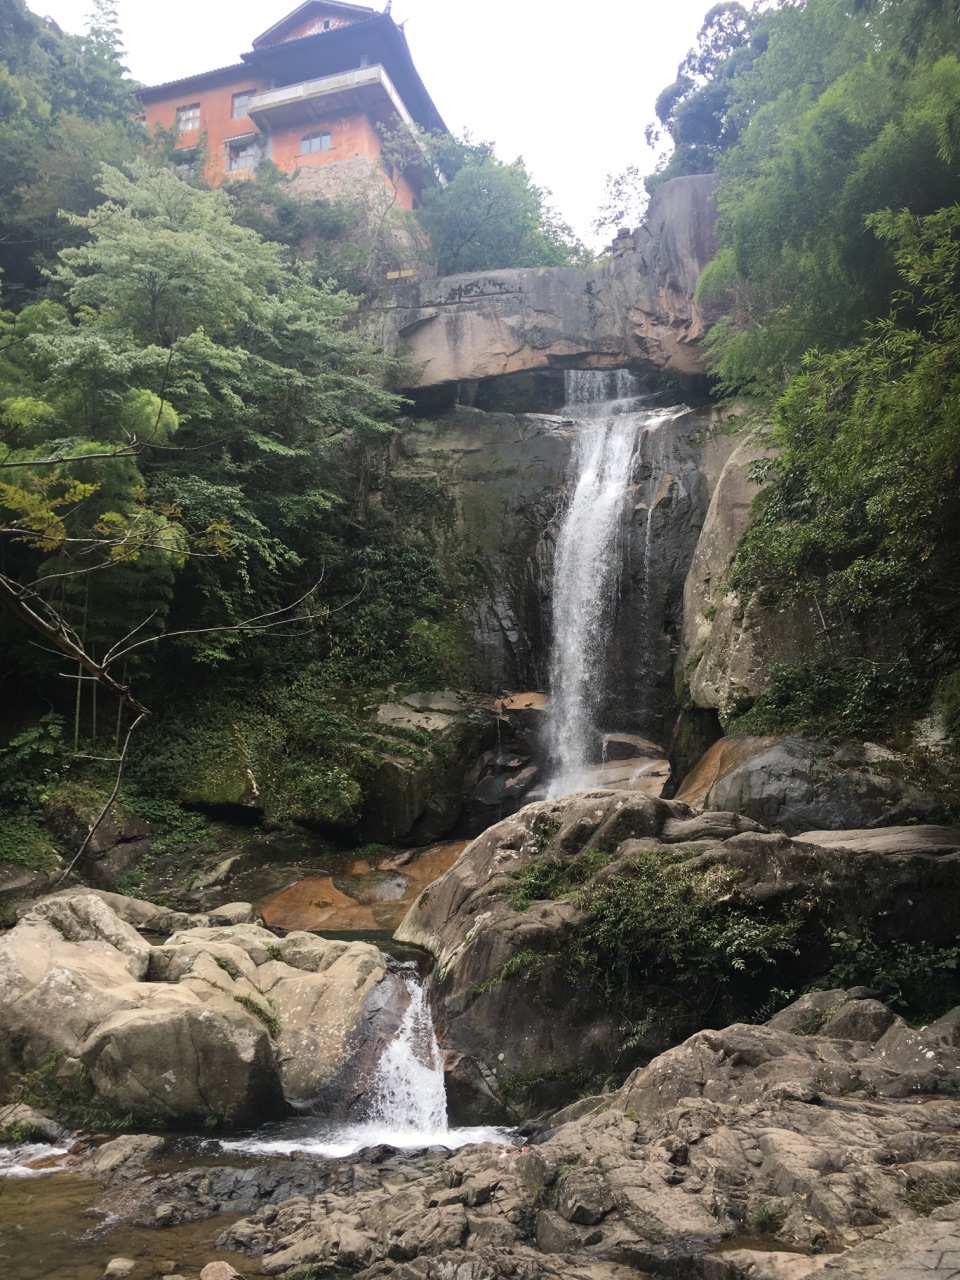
(834, 127)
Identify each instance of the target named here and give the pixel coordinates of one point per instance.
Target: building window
(188, 118)
(241, 104)
(326, 24)
(315, 142)
(242, 154)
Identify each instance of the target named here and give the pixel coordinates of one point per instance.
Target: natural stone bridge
(636, 310)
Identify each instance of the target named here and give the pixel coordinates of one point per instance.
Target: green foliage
(269, 1020)
(31, 762)
(695, 112)
(188, 423)
(662, 926)
(667, 943)
(851, 698)
(23, 840)
(768, 1218)
(836, 112)
(66, 109)
(31, 766)
(517, 1085)
(40, 1088)
(921, 980)
(173, 828)
(928, 1194)
(863, 508)
(520, 962)
(947, 702)
(490, 214)
(553, 877)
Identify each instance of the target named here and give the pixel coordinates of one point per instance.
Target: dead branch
(113, 795)
(24, 603)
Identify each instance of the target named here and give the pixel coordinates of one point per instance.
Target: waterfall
(406, 1106)
(408, 1090)
(612, 420)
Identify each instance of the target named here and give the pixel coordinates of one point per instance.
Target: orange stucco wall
(351, 135)
(216, 105)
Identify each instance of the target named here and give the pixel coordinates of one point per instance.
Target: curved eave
(379, 37)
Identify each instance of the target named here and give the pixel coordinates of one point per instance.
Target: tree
(624, 201)
(491, 215)
(694, 111)
(841, 114)
(178, 323)
(863, 509)
(67, 108)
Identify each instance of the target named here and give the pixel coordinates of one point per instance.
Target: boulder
(87, 918)
(417, 797)
(216, 1026)
(796, 784)
(730, 644)
(69, 817)
(524, 1021)
(333, 1023)
(125, 1157)
(333, 1002)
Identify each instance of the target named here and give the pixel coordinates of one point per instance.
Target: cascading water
(407, 1104)
(612, 421)
(408, 1091)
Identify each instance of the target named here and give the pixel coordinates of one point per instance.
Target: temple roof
(369, 35)
(312, 8)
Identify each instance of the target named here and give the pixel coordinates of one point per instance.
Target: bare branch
(257, 623)
(24, 603)
(113, 795)
(124, 451)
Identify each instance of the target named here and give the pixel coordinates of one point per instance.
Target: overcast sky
(570, 87)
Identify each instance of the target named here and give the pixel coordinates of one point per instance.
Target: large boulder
(530, 982)
(514, 1013)
(217, 1026)
(416, 795)
(796, 784)
(183, 1062)
(334, 1002)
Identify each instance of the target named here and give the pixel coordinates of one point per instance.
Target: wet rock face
(530, 1025)
(502, 476)
(668, 504)
(729, 644)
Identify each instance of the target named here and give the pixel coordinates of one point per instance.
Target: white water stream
(612, 421)
(407, 1105)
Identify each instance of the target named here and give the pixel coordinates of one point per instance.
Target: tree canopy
(835, 135)
(488, 214)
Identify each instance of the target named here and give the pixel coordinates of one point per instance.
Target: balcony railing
(369, 88)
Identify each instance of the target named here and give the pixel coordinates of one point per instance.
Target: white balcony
(366, 89)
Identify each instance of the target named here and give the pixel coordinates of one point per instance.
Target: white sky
(570, 87)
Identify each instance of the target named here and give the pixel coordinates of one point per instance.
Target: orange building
(309, 96)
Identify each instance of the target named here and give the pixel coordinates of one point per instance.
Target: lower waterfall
(406, 1106)
(612, 418)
